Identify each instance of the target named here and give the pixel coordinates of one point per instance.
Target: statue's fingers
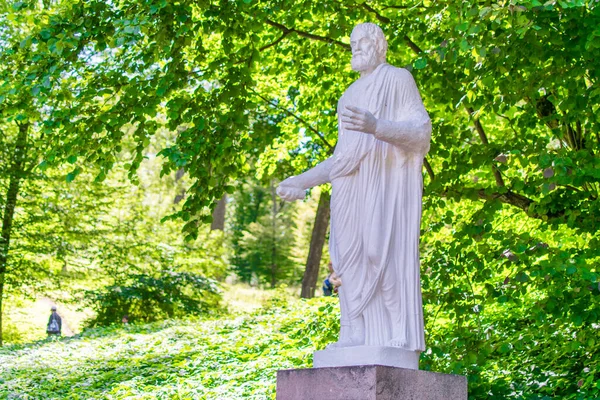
(281, 192)
(352, 127)
(350, 115)
(288, 197)
(349, 120)
(356, 110)
(296, 194)
(286, 191)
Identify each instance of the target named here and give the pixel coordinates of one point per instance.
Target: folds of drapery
(376, 209)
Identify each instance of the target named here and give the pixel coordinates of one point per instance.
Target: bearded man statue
(376, 178)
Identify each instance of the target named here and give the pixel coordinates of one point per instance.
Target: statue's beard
(364, 61)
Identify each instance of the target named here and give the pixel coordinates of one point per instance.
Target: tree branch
(509, 197)
(413, 46)
(307, 35)
(484, 140)
(379, 17)
(276, 42)
(302, 120)
(265, 47)
(429, 169)
(403, 7)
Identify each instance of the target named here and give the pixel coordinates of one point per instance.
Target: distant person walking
(54, 323)
(331, 283)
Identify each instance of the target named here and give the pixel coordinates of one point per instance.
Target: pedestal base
(366, 355)
(372, 382)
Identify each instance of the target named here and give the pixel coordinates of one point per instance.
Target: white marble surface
(376, 176)
(366, 355)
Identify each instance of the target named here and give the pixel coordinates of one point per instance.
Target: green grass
(235, 357)
(25, 319)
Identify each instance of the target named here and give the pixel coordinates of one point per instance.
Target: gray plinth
(369, 382)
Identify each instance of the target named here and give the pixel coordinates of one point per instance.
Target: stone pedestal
(368, 382)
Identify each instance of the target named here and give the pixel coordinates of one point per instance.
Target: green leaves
(251, 88)
(145, 297)
(231, 357)
(420, 63)
(73, 174)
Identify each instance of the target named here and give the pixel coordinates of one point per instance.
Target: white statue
(376, 178)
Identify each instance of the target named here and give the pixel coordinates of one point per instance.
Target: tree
(319, 232)
(218, 216)
(511, 196)
(262, 237)
(250, 203)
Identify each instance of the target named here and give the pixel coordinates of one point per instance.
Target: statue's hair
(375, 33)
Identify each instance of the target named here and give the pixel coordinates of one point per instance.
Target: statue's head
(368, 47)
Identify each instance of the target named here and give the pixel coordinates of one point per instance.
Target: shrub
(146, 298)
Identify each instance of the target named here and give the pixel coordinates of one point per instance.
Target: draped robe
(376, 210)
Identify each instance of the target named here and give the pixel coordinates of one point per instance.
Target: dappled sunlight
(207, 358)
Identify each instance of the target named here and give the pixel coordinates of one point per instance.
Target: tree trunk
(16, 174)
(317, 240)
(218, 222)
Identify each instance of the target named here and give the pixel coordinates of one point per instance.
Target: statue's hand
(359, 119)
(289, 191)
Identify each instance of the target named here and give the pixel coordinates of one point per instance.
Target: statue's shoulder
(397, 73)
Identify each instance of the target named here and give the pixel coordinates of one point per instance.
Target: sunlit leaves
(252, 87)
(234, 357)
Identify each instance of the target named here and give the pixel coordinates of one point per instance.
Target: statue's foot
(398, 342)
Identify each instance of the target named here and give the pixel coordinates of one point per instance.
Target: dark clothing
(327, 287)
(54, 324)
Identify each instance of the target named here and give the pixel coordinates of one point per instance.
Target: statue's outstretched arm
(294, 188)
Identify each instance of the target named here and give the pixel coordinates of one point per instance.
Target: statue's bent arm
(412, 135)
(413, 131)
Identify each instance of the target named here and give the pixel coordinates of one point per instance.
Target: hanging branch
(298, 118)
(429, 169)
(307, 35)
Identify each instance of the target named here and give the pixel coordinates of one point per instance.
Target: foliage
(147, 298)
(510, 233)
(237, 357)
(249, 202)
(262, 237)
(513, 305)
(234, 358)
(85, 235)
